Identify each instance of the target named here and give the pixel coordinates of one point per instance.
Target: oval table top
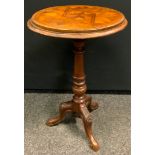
(77, 21)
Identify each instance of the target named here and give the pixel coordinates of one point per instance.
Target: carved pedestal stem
(81, 105)
(79, 87)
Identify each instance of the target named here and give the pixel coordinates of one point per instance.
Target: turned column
(79, 86)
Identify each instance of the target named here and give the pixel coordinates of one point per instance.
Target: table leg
(63, 109)
(91, 105)
(87, 121)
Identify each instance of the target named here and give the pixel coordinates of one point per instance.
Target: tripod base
(81, 110)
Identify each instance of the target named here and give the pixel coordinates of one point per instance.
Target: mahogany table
(78, 22)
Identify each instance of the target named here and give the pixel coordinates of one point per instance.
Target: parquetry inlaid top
(77, 21)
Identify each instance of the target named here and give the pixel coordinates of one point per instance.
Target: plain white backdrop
(143, 77)
(12, 77)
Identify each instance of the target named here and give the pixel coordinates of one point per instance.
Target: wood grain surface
(77, 21)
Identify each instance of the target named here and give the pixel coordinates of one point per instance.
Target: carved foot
(63, 109)
(87, 121)
(90, 104)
